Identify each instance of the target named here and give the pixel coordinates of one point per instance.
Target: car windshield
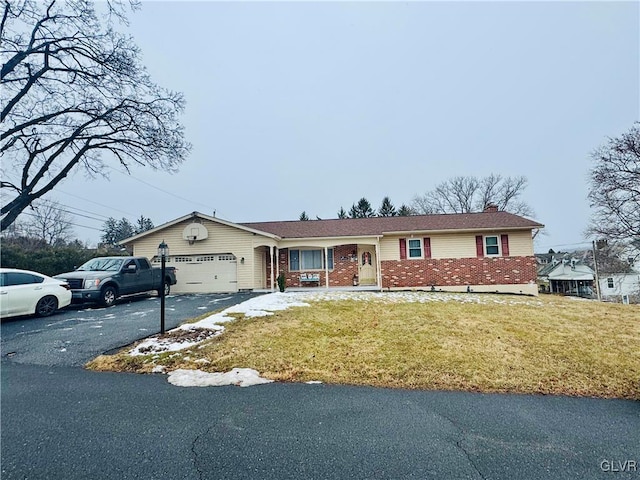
(102, 265)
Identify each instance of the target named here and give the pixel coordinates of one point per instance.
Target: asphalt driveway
(75, 335)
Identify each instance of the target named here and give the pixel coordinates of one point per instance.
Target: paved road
(68, 423)
(60, 421)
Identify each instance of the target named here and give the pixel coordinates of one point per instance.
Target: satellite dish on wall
(194, 232)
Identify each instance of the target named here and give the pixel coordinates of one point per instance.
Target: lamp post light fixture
(163, 253)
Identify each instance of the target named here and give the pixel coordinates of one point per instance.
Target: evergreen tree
(109, 231)
(387, 209)
(342, 213)
(304, 216)
(405, 211)
(362, 209)
(117, 230)
(143, 224)
(125, 229)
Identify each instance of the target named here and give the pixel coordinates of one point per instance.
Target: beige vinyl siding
(390, 248)
(458, 245)
(520, 244)
(221, 239)
(260, 268)
(326, 242)
(453, 246)
(442, 246)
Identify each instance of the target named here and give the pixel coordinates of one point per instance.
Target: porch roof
(576, 277)
(354, 227)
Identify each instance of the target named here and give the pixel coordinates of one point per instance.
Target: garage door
(215, 273)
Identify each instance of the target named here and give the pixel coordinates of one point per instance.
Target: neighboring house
(619, 273)
(620, 287)
(547, 262)
(566, 275)
(490, 251)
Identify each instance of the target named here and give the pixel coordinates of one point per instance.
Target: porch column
(378, 264)
(326, 266)
(272, 266)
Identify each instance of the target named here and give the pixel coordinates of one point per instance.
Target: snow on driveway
(191, 334)
(242, 377)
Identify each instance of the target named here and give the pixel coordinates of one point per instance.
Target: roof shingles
(357, 227)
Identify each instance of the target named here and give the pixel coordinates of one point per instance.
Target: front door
(367, 264)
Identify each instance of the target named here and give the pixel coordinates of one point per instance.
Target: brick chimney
(491, 207)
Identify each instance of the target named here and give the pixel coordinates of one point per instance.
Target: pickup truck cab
(104, 279)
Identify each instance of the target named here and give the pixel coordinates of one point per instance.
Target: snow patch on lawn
(184, 336)
(179, 338)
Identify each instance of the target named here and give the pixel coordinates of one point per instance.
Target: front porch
(309, 266)
(576, 288)
(363, 288)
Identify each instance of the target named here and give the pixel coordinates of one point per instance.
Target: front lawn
(473, 342)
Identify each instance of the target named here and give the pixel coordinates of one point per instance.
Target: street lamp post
(163, 252)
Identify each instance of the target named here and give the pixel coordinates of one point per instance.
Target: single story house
(491, 251)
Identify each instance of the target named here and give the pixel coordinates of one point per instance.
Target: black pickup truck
(104, 279)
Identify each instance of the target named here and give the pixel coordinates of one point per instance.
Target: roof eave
(340, 237)
(197, 215)
(464, 230)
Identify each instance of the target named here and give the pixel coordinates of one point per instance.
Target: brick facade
(458, 272)
(420, 273)
(345, 266)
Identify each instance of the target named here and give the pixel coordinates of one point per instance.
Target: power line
(55, 204)
(70, 223)
(566, 245)
(79, 214)
(96, 203)
(162, 190)
(104, 217)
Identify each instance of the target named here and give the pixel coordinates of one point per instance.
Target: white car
(23, 292)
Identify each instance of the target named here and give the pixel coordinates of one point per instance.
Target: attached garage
(210, 273)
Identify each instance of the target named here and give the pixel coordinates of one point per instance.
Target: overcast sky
(300, 106)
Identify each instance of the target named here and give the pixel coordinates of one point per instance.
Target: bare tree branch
(49, 222)
(77, 95)
(470, 194)
(615, 187)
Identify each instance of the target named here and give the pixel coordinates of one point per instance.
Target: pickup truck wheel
(108, 296)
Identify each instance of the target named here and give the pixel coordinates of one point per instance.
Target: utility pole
(595, 264)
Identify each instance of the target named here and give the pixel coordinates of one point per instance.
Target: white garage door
(215, 273)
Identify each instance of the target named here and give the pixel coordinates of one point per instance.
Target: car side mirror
(130, 269)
